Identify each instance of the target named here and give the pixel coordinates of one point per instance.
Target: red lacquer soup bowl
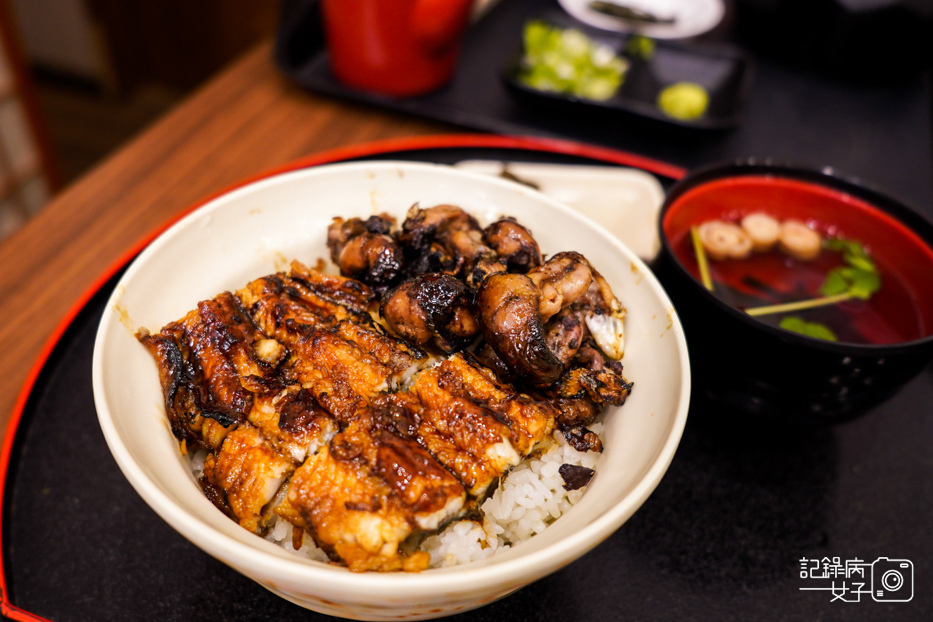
(749, 364)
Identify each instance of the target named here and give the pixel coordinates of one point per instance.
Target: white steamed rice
(528, 499)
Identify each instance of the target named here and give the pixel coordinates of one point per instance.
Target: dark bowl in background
(744, 367)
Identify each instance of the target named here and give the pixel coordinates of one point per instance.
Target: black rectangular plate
(478, 97)
(721, 69)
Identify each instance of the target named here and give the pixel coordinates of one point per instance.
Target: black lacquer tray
(741, 515)
(879, 133)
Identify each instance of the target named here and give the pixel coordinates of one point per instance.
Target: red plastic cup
(394, 47)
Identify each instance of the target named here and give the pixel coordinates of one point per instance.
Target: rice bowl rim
(461, 579)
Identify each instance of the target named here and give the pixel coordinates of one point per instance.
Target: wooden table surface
(245, 121)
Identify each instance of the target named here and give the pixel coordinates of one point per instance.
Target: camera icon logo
(892, 580)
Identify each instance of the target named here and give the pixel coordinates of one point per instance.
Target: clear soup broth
(901, 310)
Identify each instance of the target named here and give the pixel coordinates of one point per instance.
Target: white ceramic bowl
(255, 230)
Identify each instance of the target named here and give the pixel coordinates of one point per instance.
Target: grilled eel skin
(311, 411)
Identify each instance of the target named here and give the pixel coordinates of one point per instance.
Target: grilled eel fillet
(310, 411)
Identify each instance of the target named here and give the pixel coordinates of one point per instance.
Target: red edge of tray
(340, 154)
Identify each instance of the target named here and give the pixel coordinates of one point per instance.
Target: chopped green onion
(568, 61)
(640, 46)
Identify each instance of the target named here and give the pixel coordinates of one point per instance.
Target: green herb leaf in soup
(816, 330)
